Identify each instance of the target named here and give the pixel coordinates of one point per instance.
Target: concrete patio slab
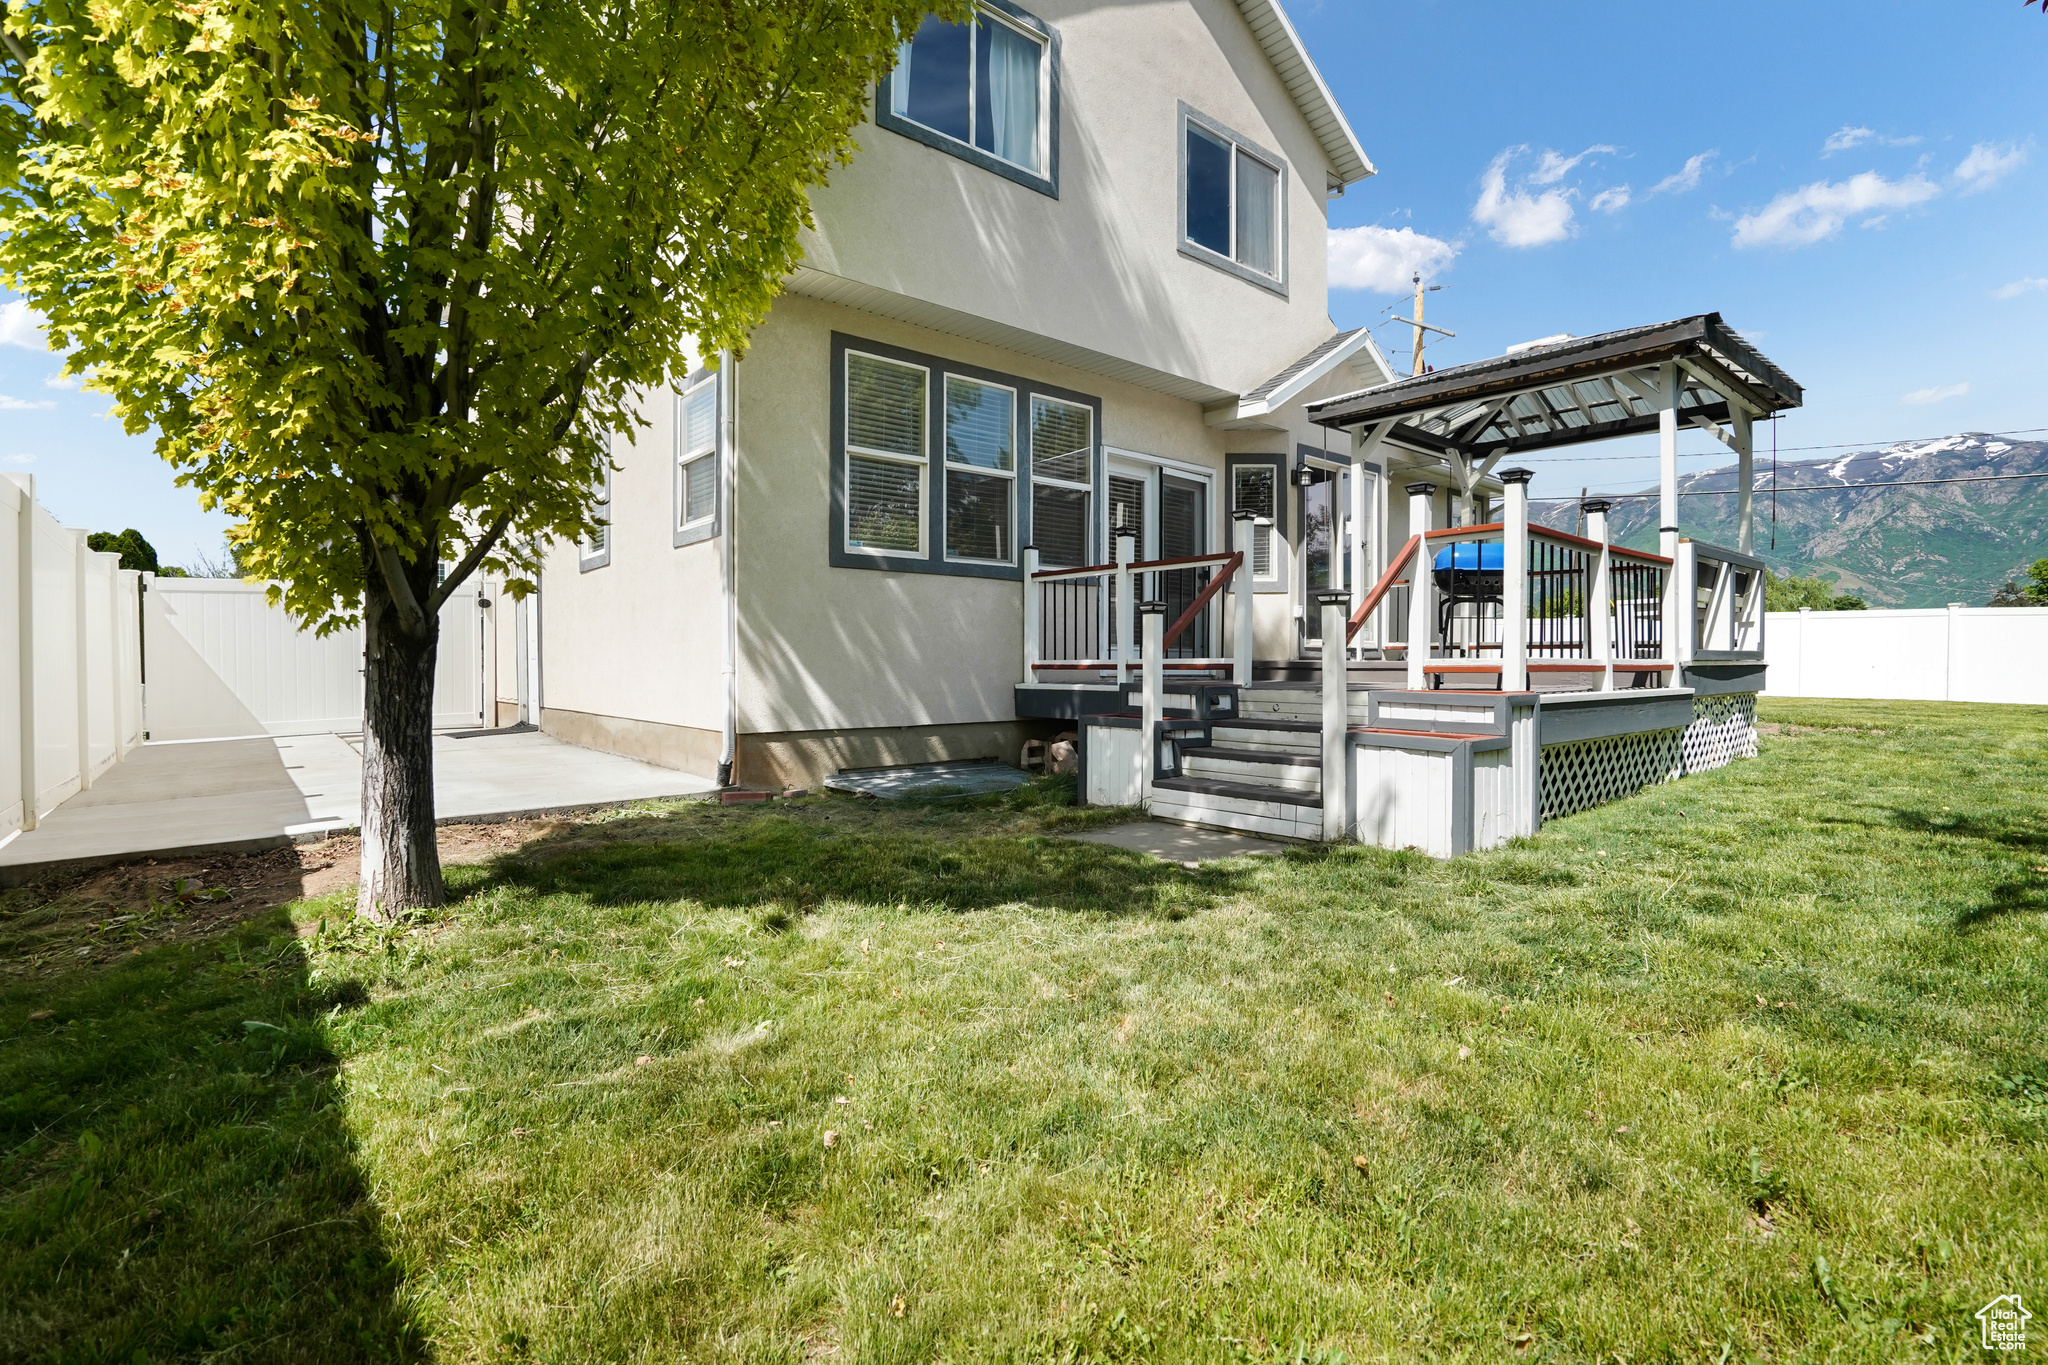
(1183, 844)
(241, 795)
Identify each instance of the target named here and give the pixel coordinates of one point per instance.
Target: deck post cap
(1331, 597)
(1421, 490)
(1597, 505)
(1154, 608)
(1517, 475)
(1241, 515)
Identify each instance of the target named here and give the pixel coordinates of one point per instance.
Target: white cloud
(2026, 284)
(1987, 164)
(1384, 258)
(22, 404)
(1849, 135)
(1816, 212)
(19, 459)
(1687, 177)
(1516, 217)
(21, 326)
(1936, 393)
(61, 381)
(1613, 199)
(1555, 165)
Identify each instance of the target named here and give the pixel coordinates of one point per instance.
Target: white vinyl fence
(1996, 654)
(70, 671)
(223, 662)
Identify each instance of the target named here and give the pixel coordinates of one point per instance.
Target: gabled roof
(1355, 346)
(1573, 390)
(1269, 24)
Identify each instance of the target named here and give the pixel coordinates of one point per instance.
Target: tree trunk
(401, 862)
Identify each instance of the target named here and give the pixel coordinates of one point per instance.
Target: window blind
(700, 489)
(882, 504)
(1062, 441)
(977, 516)
(885, 404)
(1059, 526)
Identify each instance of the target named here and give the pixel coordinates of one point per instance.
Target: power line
(1809, 488)
(1703, 454)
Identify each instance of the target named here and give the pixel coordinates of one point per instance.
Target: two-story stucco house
(1067, 310)
(1075, 274)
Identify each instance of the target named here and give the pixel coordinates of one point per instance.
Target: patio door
(1168, 507)
(1325, 547)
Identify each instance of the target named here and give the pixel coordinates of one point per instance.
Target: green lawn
(1751, 1066)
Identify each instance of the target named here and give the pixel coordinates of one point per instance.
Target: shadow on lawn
(2012, 897)
(786, 866)
(178, 1180)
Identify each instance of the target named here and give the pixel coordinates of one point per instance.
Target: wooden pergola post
(1745, 464)
(1600, 611)
(1668, 398)
(1363, 570)
(1421, 585)
(1514, 582)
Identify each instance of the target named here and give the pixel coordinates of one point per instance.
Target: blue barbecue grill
(1467, 571)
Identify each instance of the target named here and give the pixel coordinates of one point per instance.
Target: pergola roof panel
(1580, 389)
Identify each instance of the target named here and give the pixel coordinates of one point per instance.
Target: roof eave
(1297, 70)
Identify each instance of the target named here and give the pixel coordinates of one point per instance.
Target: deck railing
(1083, 620)
(1726, 590)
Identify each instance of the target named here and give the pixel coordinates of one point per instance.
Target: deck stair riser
(1269, 818)
(1275, 703)
(1307, 741)
(1284, 773)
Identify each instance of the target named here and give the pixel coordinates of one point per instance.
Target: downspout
(728, 469)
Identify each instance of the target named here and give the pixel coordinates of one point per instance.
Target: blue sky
(1861, 188)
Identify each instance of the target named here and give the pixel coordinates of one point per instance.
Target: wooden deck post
(1364, 516)
(1126, 643)
(1745, 470)
(1241, 606)
(1152, 710)
(1668, 394)
(1336, 712)
(1514, 582)
(1681, 610)
(1421, 586)
(1600, 609)
(1031, 628)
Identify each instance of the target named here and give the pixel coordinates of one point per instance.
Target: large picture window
(1062, 481)
(984, 90)
(885, 455)
(696, 489)
(1232, 202)
(945, 468)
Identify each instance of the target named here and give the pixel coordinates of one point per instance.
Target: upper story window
(1233, 202)
(986, 91)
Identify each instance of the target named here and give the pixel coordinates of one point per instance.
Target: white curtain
(899, 87)
(1258, 204)
(1013, 95)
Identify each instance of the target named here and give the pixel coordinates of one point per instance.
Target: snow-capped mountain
(1915, 546)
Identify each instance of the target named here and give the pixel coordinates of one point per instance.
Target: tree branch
(411, 619)
(467, 566)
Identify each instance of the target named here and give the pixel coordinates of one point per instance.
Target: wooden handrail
(1140, 565)
(1458, 532)
(1216, 582)
(1381, 588)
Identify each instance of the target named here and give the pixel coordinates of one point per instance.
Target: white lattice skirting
(1592, 772)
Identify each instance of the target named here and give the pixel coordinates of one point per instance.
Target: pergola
(1696, 371)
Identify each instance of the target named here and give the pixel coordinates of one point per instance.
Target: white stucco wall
(1099, 266)
(638, 638)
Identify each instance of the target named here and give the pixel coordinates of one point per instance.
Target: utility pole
(1419, 325)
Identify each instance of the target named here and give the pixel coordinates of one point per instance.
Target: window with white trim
(696, 482)
(982, 84)
(885, 455)
(1062, 480)
(1255, 488)
(981, 471)
(594, 551)
(1232, 201)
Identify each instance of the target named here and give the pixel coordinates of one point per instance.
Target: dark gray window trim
(694, 535)
(1047, 184)
(1281, 499)
(1195, 251)
(934, 560)
(586, 561)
